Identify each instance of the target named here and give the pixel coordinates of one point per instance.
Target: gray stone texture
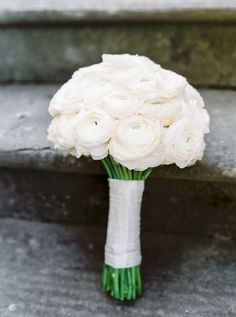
(53, 270)
(50, 270)
(48, 40)
(25, 120)
(169, 206)
(199, 199)
(204, 53)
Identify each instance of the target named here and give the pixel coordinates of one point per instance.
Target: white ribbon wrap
(122, 248)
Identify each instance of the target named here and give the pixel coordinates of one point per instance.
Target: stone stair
(201, 205)
(47, 40)
(189, 216)
(54, 270)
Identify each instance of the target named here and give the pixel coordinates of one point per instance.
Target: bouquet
(133, 115)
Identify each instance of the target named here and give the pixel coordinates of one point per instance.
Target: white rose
(93, 131)
(134, 139)
(68, 99)
(184, 143)
(62, 132)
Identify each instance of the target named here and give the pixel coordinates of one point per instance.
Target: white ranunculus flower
(87, 72)
(126, 61)
(191, 93)
(134, 139)
(93, 131)
(125, 68)
(117, 101)
(183, 143)
(68, 99)
(158, 87)
(124, 105)
(92, 73)
(153, 159)
(61, 132)
(167, 113)
(121, 103)
(95, 93)
(191, 111)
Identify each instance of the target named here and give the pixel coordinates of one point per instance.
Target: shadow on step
(169, 206)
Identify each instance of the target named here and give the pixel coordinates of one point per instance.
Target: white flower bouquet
(133, 115)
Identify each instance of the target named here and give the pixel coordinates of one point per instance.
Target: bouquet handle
(121, 273)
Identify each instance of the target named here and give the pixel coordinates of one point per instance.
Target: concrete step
(48, 40)
(40, 183)
(54, 270)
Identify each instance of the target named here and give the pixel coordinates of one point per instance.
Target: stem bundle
(122, 283)
(118, 171)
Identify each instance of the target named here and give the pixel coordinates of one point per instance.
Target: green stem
(123, 284)
(118, 171)
(107, 168)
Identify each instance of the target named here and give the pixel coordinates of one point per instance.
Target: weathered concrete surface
(53, 52)
(24, 121)
(115, 5)
(169, 206)
(52, 270)
(23, 11)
